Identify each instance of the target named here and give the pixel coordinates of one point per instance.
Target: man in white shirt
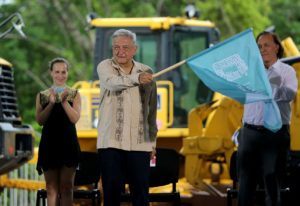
(127, 122)
(262, 154)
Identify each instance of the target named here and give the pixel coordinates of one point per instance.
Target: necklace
(58, 89)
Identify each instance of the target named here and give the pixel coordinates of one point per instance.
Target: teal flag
(235, 69)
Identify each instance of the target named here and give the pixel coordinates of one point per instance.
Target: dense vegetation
(58, 28)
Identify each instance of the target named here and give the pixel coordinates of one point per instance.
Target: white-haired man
(127, 121)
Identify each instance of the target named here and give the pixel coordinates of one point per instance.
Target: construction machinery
(191, 119)
(16, 138)
(162, 42)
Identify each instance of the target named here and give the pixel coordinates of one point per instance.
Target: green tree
(53, 28)
(285, 16)
(58, 28)
(234, 16)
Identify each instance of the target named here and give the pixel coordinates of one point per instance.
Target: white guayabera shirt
(127, 111)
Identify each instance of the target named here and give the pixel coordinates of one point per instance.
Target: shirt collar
(275, 66)
(117, 66)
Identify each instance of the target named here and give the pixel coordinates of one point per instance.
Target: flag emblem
(235, 69)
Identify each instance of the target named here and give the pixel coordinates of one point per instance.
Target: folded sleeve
(111, 80)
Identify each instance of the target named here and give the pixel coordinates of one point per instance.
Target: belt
(255, 127)
(262, 128)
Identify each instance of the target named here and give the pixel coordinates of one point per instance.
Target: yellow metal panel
(290, 48)
(5, 63)
(202, 145)
(88, 144)
(35, 156)
(169, 101)
(21, 183)
(87, 133)
(294, 126)
(90, 93)
(85, 121)
(173, 132)
(162, 108)
(153, 23)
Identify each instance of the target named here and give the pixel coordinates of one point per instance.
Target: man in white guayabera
(127, 122)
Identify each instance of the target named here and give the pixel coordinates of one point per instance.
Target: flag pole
(169, 68)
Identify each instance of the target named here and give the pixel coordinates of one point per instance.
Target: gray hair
(124, 32)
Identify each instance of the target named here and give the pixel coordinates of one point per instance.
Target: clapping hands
(52, 97)
(64, 96)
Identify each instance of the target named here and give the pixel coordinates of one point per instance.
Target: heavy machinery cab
(163, 42)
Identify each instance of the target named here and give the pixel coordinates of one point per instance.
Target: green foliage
(285, 17)
(58, 28)
(234, 16)
(141, 8)
(52, 30)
